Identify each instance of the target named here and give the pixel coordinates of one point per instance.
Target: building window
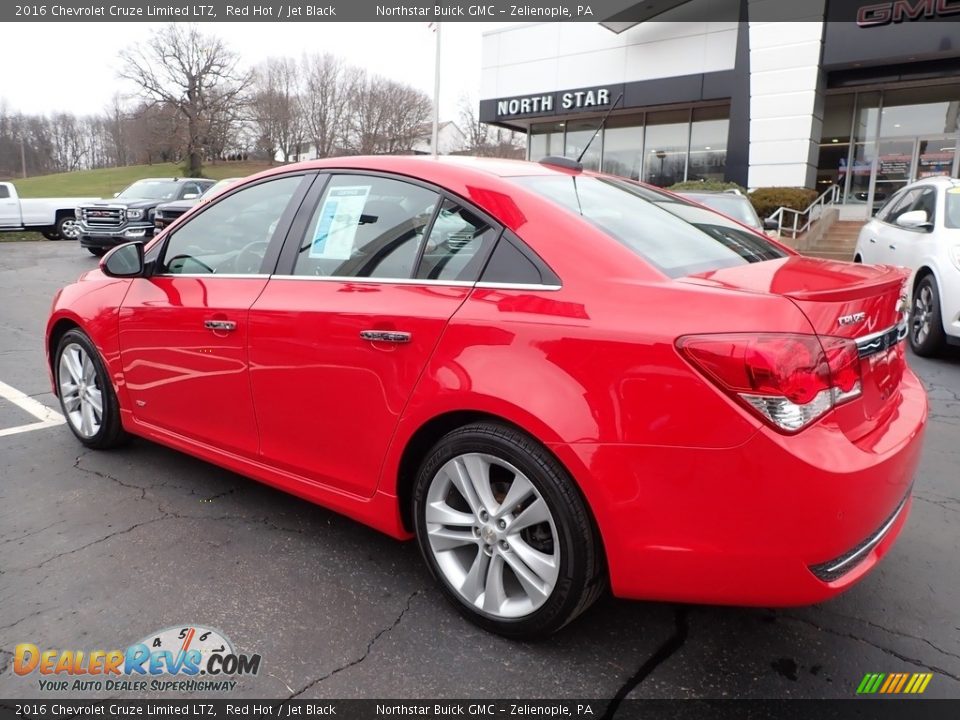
(670, 147)
(708, 144)
(623, 147)
(665, 153)
(835, 143)
(545, 139)
(579, 133)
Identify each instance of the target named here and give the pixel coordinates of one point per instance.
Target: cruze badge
(853, 319)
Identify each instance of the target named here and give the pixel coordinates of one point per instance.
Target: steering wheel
(250, 257)
(190, 258)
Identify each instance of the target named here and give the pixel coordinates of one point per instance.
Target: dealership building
(860, 94)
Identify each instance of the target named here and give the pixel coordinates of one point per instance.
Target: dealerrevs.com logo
(189, 658)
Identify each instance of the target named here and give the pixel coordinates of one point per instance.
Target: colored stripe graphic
(894, 683)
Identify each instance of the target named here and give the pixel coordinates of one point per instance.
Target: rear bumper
(97, 238)
(755, 524)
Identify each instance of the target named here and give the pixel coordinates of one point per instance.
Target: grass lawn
(104, 183)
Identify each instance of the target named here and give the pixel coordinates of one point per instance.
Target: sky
(73, 66)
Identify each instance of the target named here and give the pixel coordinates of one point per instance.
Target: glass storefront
(876, 142)
(661, 148)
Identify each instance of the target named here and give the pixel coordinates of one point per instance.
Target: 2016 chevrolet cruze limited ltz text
(557, 381)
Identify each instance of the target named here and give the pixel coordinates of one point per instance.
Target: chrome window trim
(212, 275)
(373, 281)
(416, 281)
(517, 286)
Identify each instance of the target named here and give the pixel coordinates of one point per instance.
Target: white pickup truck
(53, 217)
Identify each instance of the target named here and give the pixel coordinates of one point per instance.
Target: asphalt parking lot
(100, 549)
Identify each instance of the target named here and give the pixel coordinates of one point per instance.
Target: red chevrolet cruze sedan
(555, 380)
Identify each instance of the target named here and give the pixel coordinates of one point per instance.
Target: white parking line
(45, 416)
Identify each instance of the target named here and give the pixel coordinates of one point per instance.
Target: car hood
(129, 203)
(178, 204)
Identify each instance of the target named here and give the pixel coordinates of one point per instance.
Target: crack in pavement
(888, 651)
(5, 657)
(661, 655)
(92, 543)
(107, 476)
(899, 633)
(32, 532)
(356, 661)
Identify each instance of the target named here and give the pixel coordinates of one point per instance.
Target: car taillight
(789, 380)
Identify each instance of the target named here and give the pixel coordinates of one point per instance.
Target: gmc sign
(899, 10)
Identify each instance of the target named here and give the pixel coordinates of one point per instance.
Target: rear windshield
(675, 236)
(735, 206)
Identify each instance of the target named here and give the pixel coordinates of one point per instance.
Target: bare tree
(488, 140)
(328, 87)
(276, 109)
(193, 73)
(387, 116)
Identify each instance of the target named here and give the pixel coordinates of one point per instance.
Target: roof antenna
(599, 127)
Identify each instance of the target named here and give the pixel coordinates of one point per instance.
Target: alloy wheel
(492, 535)
(70, 229)
(80, 390)
(922, 312)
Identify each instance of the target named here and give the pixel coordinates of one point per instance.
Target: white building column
(786, 95)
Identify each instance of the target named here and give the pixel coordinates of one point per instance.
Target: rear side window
(513, 263)
(4, 191)
(366, 226)
(673, 235)
(458, 245)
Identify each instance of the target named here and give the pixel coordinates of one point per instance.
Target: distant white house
(450, 139)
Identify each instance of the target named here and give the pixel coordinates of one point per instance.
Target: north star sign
(550, 103)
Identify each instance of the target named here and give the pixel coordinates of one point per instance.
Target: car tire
(99, 252)
(82, 385)
(522, 571)
(857, 259)
(927, 337)
(68, 228)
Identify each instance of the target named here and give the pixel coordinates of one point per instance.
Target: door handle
(893, 247)
(390, 336)
(872, 240)
(222, 325)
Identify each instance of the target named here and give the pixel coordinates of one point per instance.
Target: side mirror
(124, 261)
(771, 224)
(191, 196)
(915, 220)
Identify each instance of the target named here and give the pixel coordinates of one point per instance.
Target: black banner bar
(859, 708)
(617, 15)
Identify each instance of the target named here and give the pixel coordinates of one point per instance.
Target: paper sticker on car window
(337, 222)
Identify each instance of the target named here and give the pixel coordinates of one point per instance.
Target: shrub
(706, 186)
(767, 201)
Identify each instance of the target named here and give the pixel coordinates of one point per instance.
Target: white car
(919, 228)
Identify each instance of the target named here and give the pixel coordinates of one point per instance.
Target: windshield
(736, 206)
(151, 190)
(951, 215)
(220, 186)
(677, 237)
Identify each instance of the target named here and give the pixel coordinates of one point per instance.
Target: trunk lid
(864, 303)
